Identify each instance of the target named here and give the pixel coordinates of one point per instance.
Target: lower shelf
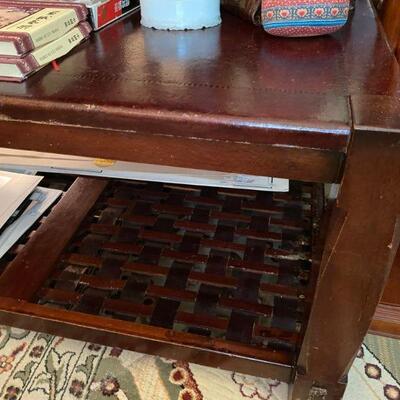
(214, 276)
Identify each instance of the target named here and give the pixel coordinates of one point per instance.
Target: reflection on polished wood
(233, 83)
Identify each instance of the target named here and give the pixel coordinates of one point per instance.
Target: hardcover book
(77, 5)
(102, 12)
(25, 27)
(14, 189)
(19, 68)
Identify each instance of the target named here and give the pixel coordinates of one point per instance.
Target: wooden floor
(392, 292)
(387, 317)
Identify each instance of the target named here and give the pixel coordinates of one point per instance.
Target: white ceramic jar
(180, 14)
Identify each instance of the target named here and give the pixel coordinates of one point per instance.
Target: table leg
(304, 389)
(360, 248)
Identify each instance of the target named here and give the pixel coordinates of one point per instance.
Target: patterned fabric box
(304, 17)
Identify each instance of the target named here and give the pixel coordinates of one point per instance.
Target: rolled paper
(180, 14)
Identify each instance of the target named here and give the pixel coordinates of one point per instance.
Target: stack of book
(101, 12)
(104, 12)
(35, 33)
(23, 202)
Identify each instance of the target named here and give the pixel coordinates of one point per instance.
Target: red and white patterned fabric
(304, 17)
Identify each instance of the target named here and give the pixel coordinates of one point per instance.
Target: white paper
(14, 189)
(47, 162)
(42, 199)
(3, 181)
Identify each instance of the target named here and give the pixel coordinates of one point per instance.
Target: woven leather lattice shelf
(224, 270)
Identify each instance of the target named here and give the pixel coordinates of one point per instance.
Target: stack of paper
(22, 203)
(14, 189)
(21, 160)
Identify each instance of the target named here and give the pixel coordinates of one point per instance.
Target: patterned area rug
(387, 351)
(36, 366)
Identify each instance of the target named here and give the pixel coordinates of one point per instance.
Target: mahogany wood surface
(235, 99)
(387, 320)
(362, 243)
(36, 259)
(141, 338)
(245, 158)
(221, 275)
(392, 292)
(389, 12)
(387, 316)
(232, 86)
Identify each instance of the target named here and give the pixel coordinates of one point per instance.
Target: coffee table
(316, 111)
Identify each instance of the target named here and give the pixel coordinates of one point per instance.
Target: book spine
(61, 46)
(21, 41)
(46, 54)
(81, 10)
(40, 28)
(109, 11)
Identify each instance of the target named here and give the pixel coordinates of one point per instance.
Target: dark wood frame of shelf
(349, 241)
(18, 294)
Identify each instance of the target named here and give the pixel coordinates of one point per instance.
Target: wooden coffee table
(318, 110)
